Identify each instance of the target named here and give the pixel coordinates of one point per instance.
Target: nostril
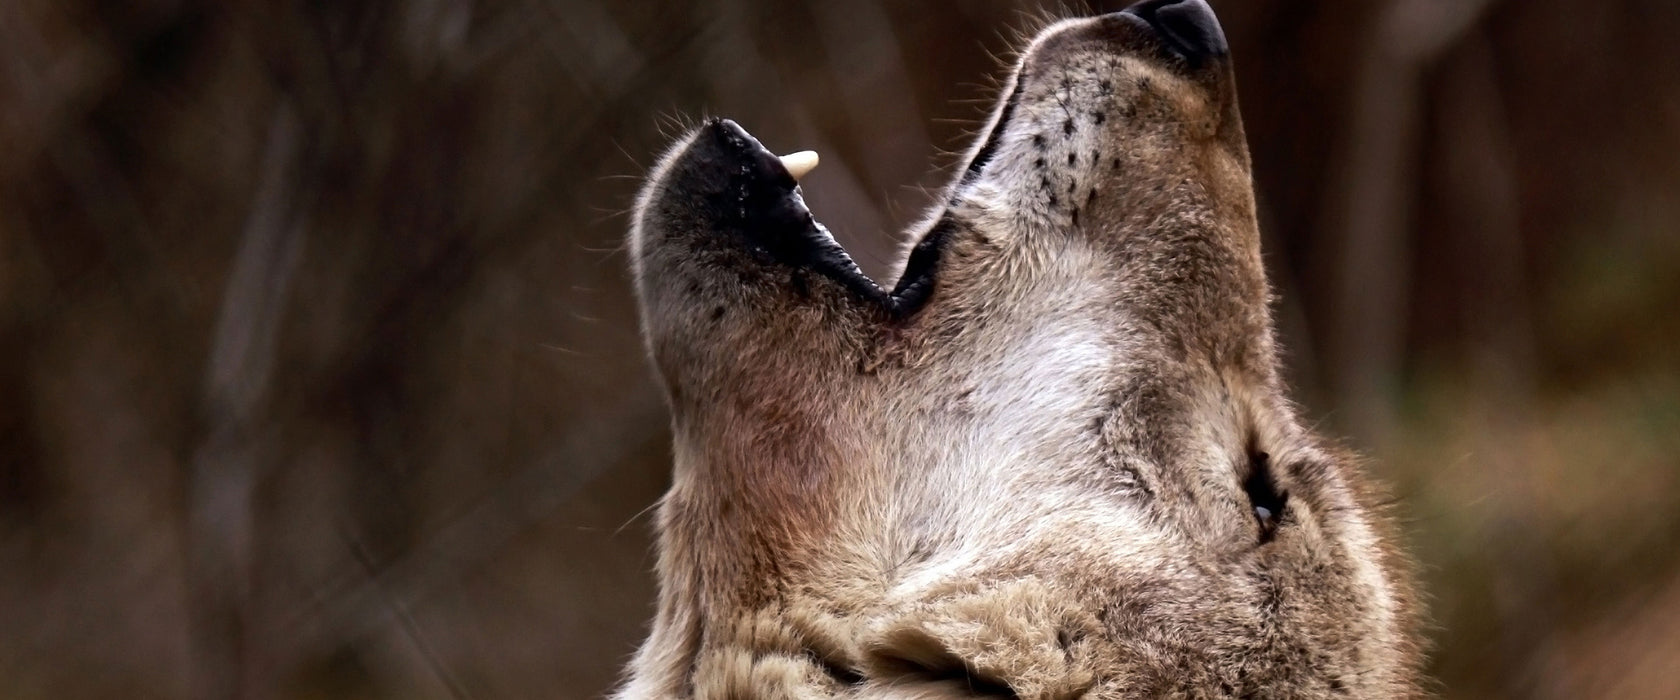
(1193, 24)
(1189, 26)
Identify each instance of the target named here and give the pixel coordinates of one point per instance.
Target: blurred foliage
(319, 375)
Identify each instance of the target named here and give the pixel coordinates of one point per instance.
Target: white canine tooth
(798, 164)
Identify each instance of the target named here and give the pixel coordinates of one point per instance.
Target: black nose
(1188, 26)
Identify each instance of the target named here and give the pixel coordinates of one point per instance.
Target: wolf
(1054, 459)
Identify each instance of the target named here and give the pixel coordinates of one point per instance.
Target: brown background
(319, 376)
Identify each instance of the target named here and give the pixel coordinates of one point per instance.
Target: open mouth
(747, 191)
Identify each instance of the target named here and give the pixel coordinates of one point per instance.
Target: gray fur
(1032, 482)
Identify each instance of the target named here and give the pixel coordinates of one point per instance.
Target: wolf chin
(1055, 459)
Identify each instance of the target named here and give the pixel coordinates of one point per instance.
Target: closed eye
(1265, 500)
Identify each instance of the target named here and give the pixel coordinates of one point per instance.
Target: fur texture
(1056, 460)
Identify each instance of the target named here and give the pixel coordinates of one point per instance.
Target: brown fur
(1033, 468)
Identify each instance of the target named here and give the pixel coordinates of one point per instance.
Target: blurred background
(320, 377)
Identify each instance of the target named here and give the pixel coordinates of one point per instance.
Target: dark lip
(760, 201)
(988, 148)
(749, 193)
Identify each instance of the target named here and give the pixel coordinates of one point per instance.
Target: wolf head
(1055, 459)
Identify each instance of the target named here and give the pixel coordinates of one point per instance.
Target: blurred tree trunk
(1370, 208)
(237, 452)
